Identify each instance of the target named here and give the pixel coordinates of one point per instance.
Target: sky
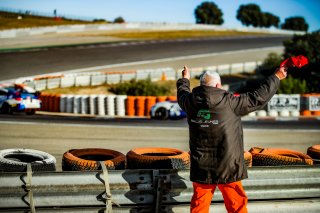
(168, 11)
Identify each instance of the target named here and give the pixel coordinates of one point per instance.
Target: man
(216, 136)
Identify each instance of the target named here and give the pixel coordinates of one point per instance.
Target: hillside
(9, 20)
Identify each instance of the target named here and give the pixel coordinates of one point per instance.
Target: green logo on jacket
(204, 113)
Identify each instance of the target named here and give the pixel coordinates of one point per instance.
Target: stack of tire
(88, 159)
(314, 153)
(16, 160)
(157, 158)
(278, 157)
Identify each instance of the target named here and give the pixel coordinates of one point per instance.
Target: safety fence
(155, 190)
(154, 178)
(99, 78)
(121, 105)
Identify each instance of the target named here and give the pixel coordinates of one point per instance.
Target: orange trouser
(235, 199)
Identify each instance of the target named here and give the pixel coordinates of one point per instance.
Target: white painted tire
(261, 113)
(284, 113)
(16, 160)
(295, 113)
(252, 114)
(273, 113)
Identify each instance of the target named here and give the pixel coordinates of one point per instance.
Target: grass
(14, 20)
(175, 34)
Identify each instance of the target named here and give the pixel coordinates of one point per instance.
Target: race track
(57, 135)
(42, 61)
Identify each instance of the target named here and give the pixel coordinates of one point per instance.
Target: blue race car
(19, 98)
(167, 110)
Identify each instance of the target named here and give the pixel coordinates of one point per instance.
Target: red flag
(298, 61)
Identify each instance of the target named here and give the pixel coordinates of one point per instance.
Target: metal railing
(149, 187)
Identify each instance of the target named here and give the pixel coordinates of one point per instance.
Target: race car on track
(19, 98)
(167, 110)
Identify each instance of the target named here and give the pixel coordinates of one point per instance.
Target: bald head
(210, 78)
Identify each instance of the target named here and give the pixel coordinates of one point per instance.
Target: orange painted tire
(140, 105)
(171, 98)
(150, 101)
(278, 157)
(248, 159)
(314, 153)
(130, 105)
(161, 98)
(87, 159)
(157, 158)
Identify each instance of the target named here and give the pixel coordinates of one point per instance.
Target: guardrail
(148, 187)
(43, 82)
(13, 33)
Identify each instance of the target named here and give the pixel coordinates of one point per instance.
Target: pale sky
(169, 11)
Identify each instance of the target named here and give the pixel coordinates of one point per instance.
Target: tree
(208, 13)
(269, 20)
(295, 23)
(119, 20)
(309, 46)
(249, 14)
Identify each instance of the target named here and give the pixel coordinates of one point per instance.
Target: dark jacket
(215, 129)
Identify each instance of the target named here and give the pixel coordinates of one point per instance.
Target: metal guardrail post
(29, 188)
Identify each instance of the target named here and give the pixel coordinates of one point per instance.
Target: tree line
(248, 15)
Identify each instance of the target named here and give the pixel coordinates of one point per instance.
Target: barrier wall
(99, 78)
(280, 105)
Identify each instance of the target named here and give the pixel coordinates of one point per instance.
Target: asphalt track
(57, 59)
(57, 134)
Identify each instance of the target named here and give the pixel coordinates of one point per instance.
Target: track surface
(42, 61)
(56, 135)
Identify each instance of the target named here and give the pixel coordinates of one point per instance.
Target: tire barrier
(16, 160)
(278, 157)
(157, 158)
(110, 105)
(171, 98)
(248, 159)
(314, 152)
(150, 101)
(88, 159)
(161, 99)
(130, 105)
(122, 105)
(311, 104)
(140, 106)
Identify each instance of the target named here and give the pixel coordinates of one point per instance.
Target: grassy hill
(10, 20)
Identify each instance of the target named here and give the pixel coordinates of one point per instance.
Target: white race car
(19, 98)
(167, 110)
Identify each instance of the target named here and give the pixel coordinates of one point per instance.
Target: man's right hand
(186, 73)
(281, 72)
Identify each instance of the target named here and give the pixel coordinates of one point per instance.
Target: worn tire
(314, 153)
(248, 159)
(278, 157)
(16, 160)
(87, 159)
(157, 158)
